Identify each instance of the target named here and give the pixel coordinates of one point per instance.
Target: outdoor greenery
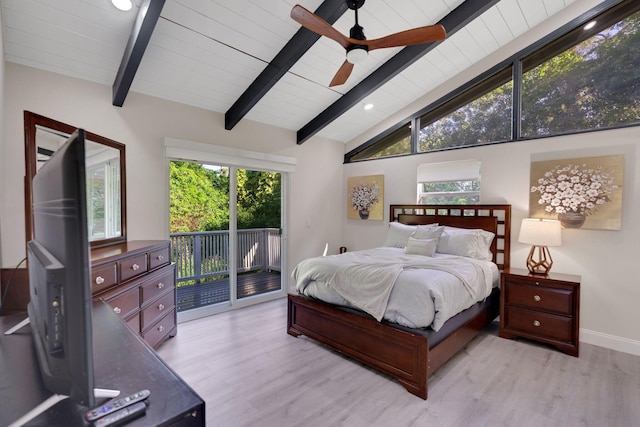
(594, 84)
(465, 192)
(485, 119)
(199, 198)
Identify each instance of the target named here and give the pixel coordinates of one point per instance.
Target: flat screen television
(60, 307)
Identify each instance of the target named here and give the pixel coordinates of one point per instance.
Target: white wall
(142, 124)
(2, 144)
(604, 259)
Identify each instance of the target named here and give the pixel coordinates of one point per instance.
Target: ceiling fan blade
(418, 35)
(342, 75)
(313, 22)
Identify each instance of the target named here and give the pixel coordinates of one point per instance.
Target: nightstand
(541, 307)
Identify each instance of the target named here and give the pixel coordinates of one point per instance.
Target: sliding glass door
(226, 236)
(258, 219)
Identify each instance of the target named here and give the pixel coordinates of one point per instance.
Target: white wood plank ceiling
(206, 53)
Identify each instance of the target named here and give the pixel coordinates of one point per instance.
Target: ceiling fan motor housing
(354, 4)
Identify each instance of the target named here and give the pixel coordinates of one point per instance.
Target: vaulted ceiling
(249, 60)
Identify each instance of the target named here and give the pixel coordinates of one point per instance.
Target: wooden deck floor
(202, 294)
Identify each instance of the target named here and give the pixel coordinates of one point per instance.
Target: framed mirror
(106, 178)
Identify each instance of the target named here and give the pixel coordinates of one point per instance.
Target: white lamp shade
(540, 232)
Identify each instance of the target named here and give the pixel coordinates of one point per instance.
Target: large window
(479, 115)
(587, 78)
(594, 84)
(397, 142)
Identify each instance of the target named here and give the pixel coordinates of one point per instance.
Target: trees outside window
(199, 198)
(585, 79)
(593, 85)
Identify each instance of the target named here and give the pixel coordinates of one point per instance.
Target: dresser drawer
(104, 277)
(134, 323)
(159, 257)
(133, 266)
(125, 303)
(157, 309)
(543, 325)
(539, 298)
(160, 284)
(160, 330)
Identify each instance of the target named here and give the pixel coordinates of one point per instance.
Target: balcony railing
(203, 265)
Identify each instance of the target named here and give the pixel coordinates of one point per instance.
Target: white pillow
(398, 234)
(426, 247)
(472, 243)
(431, 231)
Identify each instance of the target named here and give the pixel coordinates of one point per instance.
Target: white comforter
(411, 290)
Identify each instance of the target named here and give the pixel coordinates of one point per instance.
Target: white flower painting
(365, 197)
(587, 190)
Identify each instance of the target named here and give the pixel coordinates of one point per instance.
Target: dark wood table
(122, 361)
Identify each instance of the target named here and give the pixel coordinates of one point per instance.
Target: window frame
(607, 13)
(469, 193)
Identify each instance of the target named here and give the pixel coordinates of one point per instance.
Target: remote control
(122, 415)
(116, 404)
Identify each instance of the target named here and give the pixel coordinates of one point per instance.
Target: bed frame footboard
(403, 355)
(398, 353)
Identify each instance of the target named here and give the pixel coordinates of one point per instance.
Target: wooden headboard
(493, 218)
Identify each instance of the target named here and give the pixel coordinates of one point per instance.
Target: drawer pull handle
(161, 328)
(537, 283)
(118, 310)
(161, 307)
(135, 267)
(99, 280)
(160, 285)
(160, 257)
(537, 298)
(536, 323)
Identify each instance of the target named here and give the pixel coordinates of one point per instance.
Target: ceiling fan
(357, 46)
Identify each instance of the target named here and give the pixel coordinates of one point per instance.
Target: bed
(410, 355)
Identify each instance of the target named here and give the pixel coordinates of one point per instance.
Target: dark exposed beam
(330, 11)
(146, 20)
(454, 21)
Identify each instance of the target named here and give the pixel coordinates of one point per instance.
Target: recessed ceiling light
(122, 4)
(368, 106)
(589, 26)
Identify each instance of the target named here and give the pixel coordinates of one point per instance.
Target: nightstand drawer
(543, 325)
(539, 298)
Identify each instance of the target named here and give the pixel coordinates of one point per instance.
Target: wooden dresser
(545, 308)
(137, 279)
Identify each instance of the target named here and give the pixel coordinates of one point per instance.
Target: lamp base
(543, 264)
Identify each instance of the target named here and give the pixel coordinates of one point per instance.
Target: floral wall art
(365, 197)
(580, 192)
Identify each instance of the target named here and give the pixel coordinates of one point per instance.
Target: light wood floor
(251, 372)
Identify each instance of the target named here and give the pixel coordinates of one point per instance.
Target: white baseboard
(610, 341)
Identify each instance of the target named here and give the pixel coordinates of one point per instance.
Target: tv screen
(59, 274)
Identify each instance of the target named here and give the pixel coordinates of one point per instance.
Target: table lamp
(540, 233)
